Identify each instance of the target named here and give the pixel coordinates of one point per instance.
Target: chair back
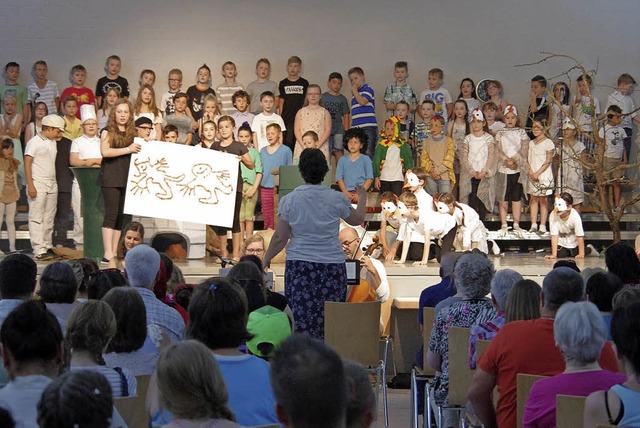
(132, 410)
(460, 375)
(569, 411)
(481, 347)
(353, 330)
(385, 314)
(524, 383)
(428, 317)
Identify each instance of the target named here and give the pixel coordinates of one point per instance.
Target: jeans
(433, 186)
(372, 134)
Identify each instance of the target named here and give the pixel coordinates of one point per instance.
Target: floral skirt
(307, 286)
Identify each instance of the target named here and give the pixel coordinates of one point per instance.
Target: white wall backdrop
(465, 38)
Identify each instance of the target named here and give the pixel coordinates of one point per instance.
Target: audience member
(626, 297)
(17, 282)
(58, 289)
(101, 281)
(622, 261)
(250, 279)
(523, 301)
(361, 410)
(601, 288)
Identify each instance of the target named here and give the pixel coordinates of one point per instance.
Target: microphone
(36, 96)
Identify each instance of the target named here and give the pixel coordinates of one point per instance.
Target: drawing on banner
(154, 174)
(207, 183)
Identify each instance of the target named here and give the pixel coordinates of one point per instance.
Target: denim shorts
(335, 143)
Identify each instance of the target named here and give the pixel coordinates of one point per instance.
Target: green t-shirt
(18, 91)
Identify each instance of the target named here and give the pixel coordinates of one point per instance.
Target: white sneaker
(543, 229)
(534, 228)
(494, 248)
(504, 230)
(594, 252)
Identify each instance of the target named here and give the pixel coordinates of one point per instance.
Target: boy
(64, 182)
(489, 110)
(583, 111)
(143, 126)
(11, 87)
(251, 179)
(440, 95)
(43, 90)
(180, 119)
(422, 128)
(72, 125)
(437, 159)
(293, 90)
(241, 115)
(406, 124)
(262, 84)
(363, 107)
(400, 90)
(538, 105)
(392, 158)
(42, 189)
(614, 154)
(228, 88)
(147, 77)
(111, 80)
(273, 156)
(338, 107)
(309, 141)
(622, 98)
(84, 95)
(196, 93)
(175, 82)
(170, 133)
(262, 120)
(354, 169)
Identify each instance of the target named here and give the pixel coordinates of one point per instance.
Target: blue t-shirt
(364, 116)
(314, 213)
(433, 295)
(338, 106)
(354, 173)
(281, 157)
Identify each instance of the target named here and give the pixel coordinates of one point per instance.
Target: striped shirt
(363, 116)
(225, 95)
(47, 95)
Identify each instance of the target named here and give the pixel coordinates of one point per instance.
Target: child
(468, 94)
(415, 179)
(197, 92)
(437, 159)
(622, 98)
(40, 170)
(147, 77)
(10, 120)
(64, 182)
(39, 111)
(538, 106)
(584, 112)
(251, 179)
(567, 235)
(406, 124)
(557, 115)
(477, 167)
(180, 119)
(570, 174)
(42, 89)
(112, 80)
(440, 96)
(355, 169)
(84, 95)
(262, 120)
(110, 99)
(146, 106)
(228, 145)
(400, 90)
(84, 152)
(10, 192)
(11, 87)
(392, 157)
(309, 141)
(614, 154)
(208, 136)
(170, 133)
(175, 84)
(293, 92)
(490, 110)
(228, 88)
(540, 177)
(512, 149)
(471, 232)
(389, 221)
(422, 129)
(211, 111)
(262, 84)
(241, 102)
(338, 107)
(72, 125)
(273, 156)
(143, 126)
(363, 107)
(494, 90)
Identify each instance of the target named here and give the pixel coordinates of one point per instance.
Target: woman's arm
(595, 412)
(357, 216)
(278, 241)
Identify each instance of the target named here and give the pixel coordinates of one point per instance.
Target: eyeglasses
(347, 243)
(254, 250)
(146, 128)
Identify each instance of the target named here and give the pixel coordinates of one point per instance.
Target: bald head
(349, 234)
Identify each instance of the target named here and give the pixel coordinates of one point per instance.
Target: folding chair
(569, 411)
(427, 373)
(524, 382)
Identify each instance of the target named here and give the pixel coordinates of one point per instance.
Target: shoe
(104, 261)
(594, 252)
(494, 248)
(543, 229)
(43, 257)
(534, 228)
(516, 227)
(504, 230)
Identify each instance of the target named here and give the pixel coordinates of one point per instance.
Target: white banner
(178, 182)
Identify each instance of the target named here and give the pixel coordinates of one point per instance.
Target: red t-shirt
(526, 347)
(84, 96)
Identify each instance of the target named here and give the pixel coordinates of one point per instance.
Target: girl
(197, 92)
(477, 166)
(133, 236)
(540, 182)
(512, 147)
(570, 177)
(110, 98)
(228, 145)
(10, 192)
(389, 222)
(557, 115)
(494, 90)
(250, 183)
(35, 127)
(567, 235)
(471, 232)
(458, 128)
(208, 134)
(146, 107)
(116, 146)
(211, 112)
(10, 120)
(312, 117)
(468, 94)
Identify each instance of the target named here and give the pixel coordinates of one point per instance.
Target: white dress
(537, 157)
(572, 181)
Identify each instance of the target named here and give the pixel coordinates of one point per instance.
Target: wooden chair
(569, 411)
(524, 383)
(133, 409)
(345, 321)
(426, 373)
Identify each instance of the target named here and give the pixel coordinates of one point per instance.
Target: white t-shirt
(626, 104)
(582, 112)
(566, 231)
(468, 219)
(259, 127)
(441, 97)
(509, 140)
(614, 138)
(478, 151)
(392, 168)
(43, 153)
(86, 148)
(155, 119)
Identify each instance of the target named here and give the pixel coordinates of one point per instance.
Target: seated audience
(100, 282)
(58, 289)
(274, 299)
(250, 279)
(309, 383)
(17, 282)
(580, 334)
(269, 327)
(622, 261)
(523, 301)
(88, 267)
(91, 326)
(626, 297)
(361, 410)
(601, 288)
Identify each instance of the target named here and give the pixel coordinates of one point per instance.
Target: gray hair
(587, 273)
(580, 332)
(473, 274)
(562, 285)
(142, 264)
(501, 283)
